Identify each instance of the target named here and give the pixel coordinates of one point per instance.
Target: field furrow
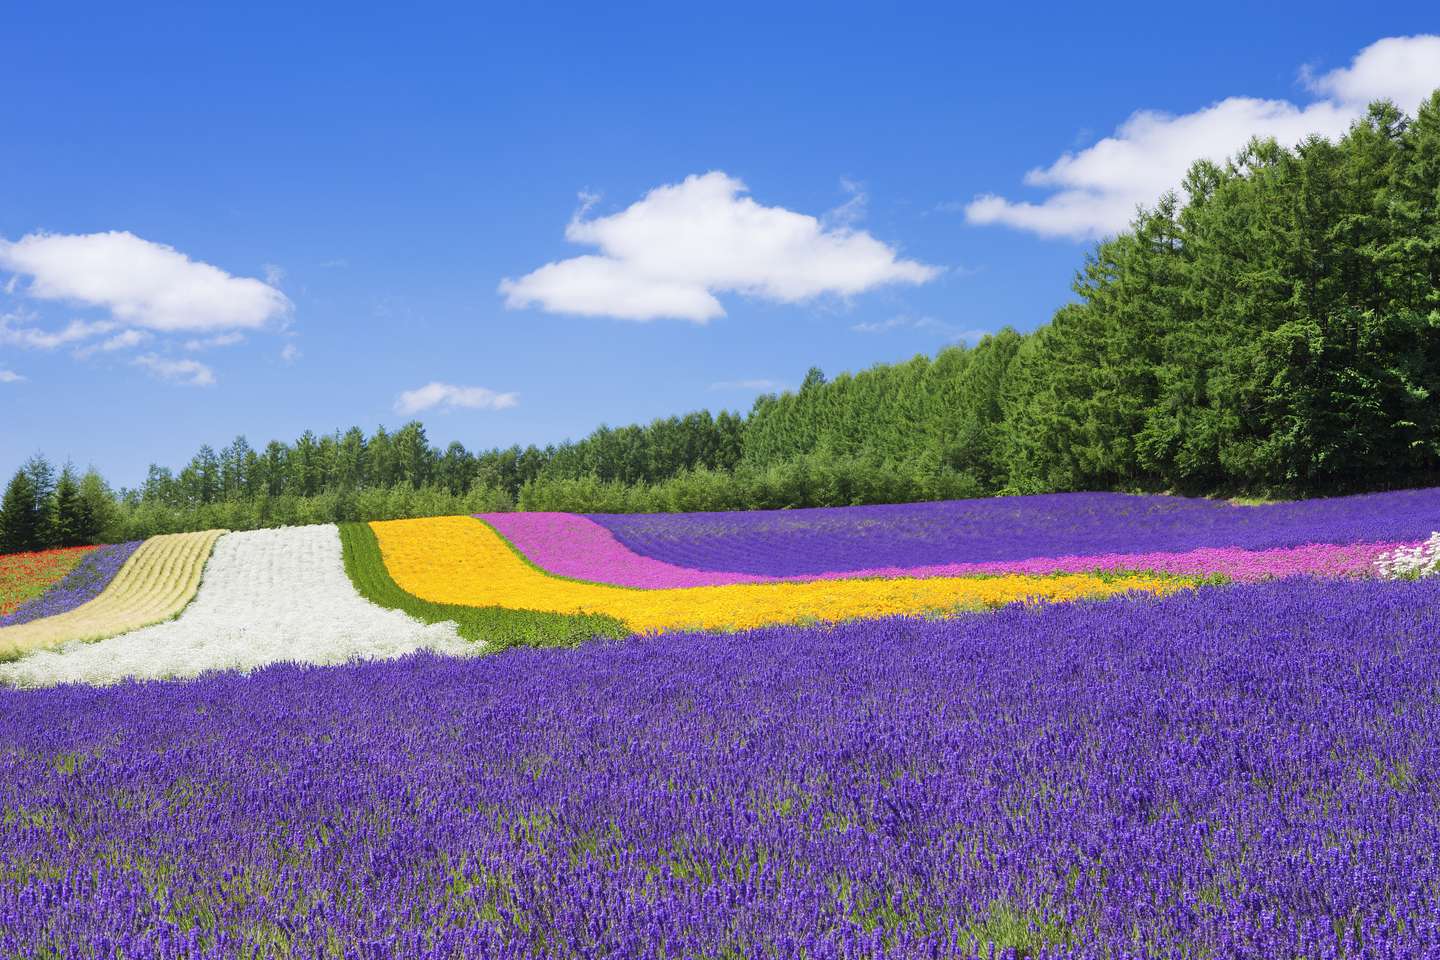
(267, 596)
(157, 581)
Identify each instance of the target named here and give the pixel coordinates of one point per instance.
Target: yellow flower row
(462, 560)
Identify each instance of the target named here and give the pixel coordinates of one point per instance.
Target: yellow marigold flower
(462, 560)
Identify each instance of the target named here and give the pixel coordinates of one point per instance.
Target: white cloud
(289, 353)
(669, 254)
(209, 343)
(10, 376)
(450, 397)
(896, 323)
(274, 275)
(1403, 69)
(953, 334)
(192, 373)
(142, 284)
(1097, 190)
(123, 340)
(34, 338)
(762, 386)
(852, 211)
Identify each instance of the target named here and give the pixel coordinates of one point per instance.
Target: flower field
(267, 595)
(577, 547)
(463, 561)
(155, 583)
(1175, 729)
(24, 576)
(1245, 771)
(91, 574)
(817, 541)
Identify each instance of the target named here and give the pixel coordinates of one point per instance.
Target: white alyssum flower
(1411, 563)
(267, 596)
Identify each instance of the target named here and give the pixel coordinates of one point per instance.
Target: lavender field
(828, 539)
(1233, 771)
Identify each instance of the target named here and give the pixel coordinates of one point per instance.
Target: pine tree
(19, 518)
(69, 525)
(42, 486)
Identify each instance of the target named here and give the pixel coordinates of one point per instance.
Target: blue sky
(267, 220)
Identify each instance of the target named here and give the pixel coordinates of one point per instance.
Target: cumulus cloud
(289, 353)
(669, 255)
(10, 376)
(141, 284)
(1096, 190)
(449, 397)
(191, 373)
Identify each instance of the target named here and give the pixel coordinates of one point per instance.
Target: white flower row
(266, 596)
(1411, 563)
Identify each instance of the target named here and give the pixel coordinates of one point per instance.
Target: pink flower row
(572, 546)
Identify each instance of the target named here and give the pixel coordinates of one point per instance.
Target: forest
(1272, 329)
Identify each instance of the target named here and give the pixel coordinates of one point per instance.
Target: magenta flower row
(569, 545)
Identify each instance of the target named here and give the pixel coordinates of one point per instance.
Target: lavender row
(81, 585)
(836, 539)
(1232, 772)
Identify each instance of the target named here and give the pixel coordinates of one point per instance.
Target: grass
(498, 628)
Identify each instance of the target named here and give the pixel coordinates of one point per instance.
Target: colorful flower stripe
(155, 584)
(91, 575)
(574, 546)
(24, 576)
(784, 543)
(571, 545)
(462, 560)
(267, 596)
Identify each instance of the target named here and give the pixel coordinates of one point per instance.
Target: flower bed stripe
(575, 546)
(267, 596)
(497, 627)
(462, 560)
(24, 576)
(809, 542)
(155, 584)
(97, 567)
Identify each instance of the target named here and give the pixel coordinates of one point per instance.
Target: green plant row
(499, 628)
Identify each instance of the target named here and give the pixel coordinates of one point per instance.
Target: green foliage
(136, 518)
(20, 520)
(497, 627)
(71, 529)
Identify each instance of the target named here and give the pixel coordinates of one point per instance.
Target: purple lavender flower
(1243, 771)
(829, 540)
(90, 576)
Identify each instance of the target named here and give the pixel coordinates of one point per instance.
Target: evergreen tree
(42, 483)
(70, 526)
(20, 520)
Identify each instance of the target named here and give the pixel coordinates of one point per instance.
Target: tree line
(1273, 328)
